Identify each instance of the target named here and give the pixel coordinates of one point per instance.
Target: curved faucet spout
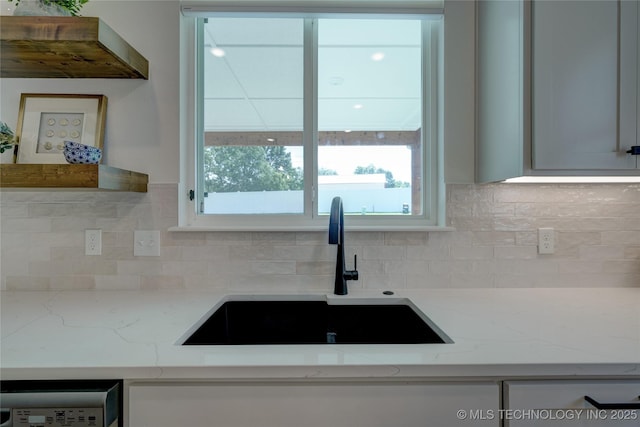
(336, 237)
(336, 222)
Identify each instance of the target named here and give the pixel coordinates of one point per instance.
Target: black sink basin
(313, 322)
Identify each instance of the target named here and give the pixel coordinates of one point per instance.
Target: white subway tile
(72, 283)
(31, 225)
(118, 282)
(204, 253)
(459, 252)
(162, 282)
(494, 245)
(272, 267)
(601, 252)
(184, 268)
(384, 252)
(471, 280)
(621, 237)
(312, 267)
(140, 267)
(27, 283)
(409, 238)
(516, 252)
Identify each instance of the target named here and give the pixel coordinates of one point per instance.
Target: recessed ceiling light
(271, 140)
(378, 56)
(347, 131)
(216, 51)
(358, 107)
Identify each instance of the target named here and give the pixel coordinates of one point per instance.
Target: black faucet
(336, 237)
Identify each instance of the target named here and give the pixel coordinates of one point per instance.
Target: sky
(344, 160)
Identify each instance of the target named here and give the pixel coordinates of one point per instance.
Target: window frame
(433, 190)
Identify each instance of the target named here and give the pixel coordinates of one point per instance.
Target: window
(292, 111)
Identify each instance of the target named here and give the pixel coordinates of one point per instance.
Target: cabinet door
(500, 83)
(584, 77)
(562, 403)
(317, 404)
(630, 75)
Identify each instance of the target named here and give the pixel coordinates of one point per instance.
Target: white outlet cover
(93, 242)
(546, 241)
(146, 243)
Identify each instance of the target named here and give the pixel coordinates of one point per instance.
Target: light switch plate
(146, 243)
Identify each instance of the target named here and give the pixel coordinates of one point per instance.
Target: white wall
(143, 115)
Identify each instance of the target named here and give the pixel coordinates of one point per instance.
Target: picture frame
(46, 120)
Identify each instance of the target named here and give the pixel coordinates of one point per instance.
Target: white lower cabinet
(314, 404)
(562, 403)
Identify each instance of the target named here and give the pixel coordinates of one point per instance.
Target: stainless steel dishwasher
(68, 403)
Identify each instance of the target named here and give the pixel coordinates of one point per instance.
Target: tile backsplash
(597, 232)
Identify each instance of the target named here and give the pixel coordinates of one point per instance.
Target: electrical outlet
(146, 243)
(546, 241)
(93, 242)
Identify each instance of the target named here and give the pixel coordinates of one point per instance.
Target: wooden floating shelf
(65, 176)
(67, 47)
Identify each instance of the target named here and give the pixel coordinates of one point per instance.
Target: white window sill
(429, 228)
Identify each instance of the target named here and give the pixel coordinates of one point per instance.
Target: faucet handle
(352, 274)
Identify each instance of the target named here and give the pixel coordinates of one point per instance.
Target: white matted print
(45, 121)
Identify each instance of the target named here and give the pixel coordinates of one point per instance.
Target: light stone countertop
(496, 333)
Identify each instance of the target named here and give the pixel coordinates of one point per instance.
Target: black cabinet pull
(599, 405)
(635, 150)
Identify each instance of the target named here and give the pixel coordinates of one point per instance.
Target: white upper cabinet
(557, 88)
(584, 84)
(499, 90)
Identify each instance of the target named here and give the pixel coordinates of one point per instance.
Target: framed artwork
(45, 121)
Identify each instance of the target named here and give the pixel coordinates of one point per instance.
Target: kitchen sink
(282, 321)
